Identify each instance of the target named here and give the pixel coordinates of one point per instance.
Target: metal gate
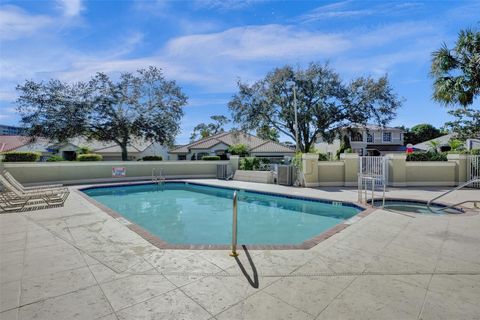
(376, 167)
(473, 170)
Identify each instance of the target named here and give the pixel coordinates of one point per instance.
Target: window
(370, 137)
(182, 157)
(357, 136)
(387, 137)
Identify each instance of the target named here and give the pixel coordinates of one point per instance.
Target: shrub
(238, 150)
(152, 158)
(20, 156)
(55, 159)
(89, 157)
(475, 152)
(84, 150)
(249, 163)
(210, 158)
(323, 157)
(427, 156)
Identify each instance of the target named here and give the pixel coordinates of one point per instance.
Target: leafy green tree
(268, 133)
(204, 130)
(456, 74)
(239, 149)
(324, 103)
(421, 133)
(138, 105)
(455, 144)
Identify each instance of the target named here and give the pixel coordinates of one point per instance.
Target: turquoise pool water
(182, 213)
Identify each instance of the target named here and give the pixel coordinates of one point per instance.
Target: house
(443, 143)
(6, 130)
(110, 151)
(365, 140)
(218, 145)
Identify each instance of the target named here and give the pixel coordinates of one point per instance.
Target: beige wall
(78, 172)
(430, 173)
(331, 173)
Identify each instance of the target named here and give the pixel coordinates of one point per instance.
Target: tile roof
(254, 144)
(8, 143)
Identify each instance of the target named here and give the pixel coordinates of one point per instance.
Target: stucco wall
(331, 173)
(430, 173)
(78, 172)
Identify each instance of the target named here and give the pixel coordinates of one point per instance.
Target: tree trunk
(124, 152)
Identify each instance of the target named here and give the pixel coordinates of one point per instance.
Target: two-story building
(365, 140)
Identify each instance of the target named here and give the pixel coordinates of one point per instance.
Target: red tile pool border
(161, 244)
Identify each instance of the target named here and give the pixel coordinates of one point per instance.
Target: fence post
(310, 169)
(461, 165)
(351, 168)
(234, 162)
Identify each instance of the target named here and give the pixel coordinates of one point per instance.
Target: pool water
(416, 207)
(183, 213)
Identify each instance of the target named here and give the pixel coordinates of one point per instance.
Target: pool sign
(119, 172)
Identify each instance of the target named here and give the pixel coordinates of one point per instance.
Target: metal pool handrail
(452, 190)
(234, 226)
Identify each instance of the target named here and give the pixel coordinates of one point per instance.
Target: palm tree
(455, 144)
(457, 71)
(434, 145)
(456, 74)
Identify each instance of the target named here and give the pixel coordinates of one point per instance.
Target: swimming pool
(188, 213)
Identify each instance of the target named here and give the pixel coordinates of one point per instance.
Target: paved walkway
(77, 262)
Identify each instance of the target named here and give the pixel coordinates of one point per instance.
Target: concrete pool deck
(78, 262)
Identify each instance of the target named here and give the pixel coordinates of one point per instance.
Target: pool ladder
(363, 180)
(157, 178)
(469, 182)
(234, 252)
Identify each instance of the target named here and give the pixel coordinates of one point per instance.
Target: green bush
(21, 156)
(238, 150)
(250, 163)
(323, 157)
(475, 152)
(89, 157)
(152, 158)
(210, 158)
(427, 156)
(55, 159)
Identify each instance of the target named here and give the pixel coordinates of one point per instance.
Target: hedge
(89, 157)
(475, 152)
(19, 156)
(152, 158)
(55, 158)
(210, 158)
(427, 156)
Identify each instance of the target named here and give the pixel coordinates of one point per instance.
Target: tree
(138, 105)
(239, 149)
(268, 133)
(420, 133)
(204, 130)
(456, 74)
(324, 103)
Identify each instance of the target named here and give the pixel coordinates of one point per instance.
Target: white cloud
(16, 23)
(71, 8)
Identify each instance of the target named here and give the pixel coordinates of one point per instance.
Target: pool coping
(162, 244)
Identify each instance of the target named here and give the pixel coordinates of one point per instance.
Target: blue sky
(207, 45)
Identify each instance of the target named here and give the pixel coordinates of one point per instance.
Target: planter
(254, 176)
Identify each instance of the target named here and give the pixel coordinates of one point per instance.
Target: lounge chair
(20, 186)
(13, 199)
